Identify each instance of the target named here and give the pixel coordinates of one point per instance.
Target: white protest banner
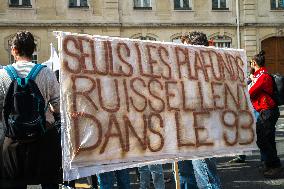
(128, 102)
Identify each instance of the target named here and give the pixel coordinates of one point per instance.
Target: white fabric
(169, 94)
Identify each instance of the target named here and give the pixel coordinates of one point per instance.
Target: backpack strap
(14, 76)
(273, 85)
(11, 72)
(34, 71)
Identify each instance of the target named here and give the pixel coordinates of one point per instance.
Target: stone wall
(119, 18)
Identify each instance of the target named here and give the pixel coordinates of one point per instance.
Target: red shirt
(262, 90)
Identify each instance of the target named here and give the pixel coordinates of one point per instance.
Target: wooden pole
(176, 175)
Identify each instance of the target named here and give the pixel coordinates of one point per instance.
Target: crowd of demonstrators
(37, 160)
(261, 94)
(27, 162)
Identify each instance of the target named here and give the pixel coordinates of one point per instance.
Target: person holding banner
(106, 180)
(200, 173)
(157, 174)
(261, 94)
(36, 160)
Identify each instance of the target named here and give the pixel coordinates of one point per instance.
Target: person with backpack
(263, 100)
(29, 96)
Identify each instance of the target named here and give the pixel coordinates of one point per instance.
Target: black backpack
(278, 88)
(24, 106)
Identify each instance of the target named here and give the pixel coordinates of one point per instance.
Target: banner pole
(176, 175)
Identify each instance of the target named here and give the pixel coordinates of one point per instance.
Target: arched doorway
(274, 54)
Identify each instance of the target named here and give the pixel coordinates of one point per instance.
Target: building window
(222, 41)
(182, 4)
(142, 4)
(277, 4)
(145, 38)
(78, 3)
(20, 3)
(219, 5)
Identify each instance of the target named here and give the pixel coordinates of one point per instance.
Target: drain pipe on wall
(238, 23)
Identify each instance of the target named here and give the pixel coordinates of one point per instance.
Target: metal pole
(176, 175)
(238, 23)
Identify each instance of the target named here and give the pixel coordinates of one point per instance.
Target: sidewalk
(246, 175)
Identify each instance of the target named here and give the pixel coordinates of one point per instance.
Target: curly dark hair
(198, 38)
(184, 38)
(259, 58)
(23, 41)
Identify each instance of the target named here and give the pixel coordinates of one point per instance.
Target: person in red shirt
(261, 94)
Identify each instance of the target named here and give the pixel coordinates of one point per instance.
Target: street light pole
(238, 23)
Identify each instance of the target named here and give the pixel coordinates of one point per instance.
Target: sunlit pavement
(247, 175)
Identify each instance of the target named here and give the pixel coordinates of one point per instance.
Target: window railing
(21, 6)
(183, 8)
(142, 8)
(222, 41)
(221, 8)
(80, 6)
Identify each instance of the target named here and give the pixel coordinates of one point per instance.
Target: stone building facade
(249, 24)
